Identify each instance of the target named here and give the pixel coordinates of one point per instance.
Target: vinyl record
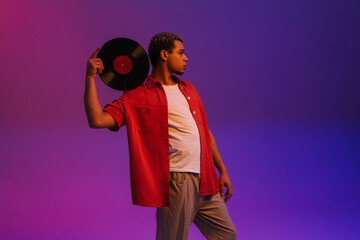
(126, 64)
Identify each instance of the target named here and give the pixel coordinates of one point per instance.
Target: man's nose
(186, 58)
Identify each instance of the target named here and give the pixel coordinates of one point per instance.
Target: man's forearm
(219, 163)
(93, 107)
(224, 179)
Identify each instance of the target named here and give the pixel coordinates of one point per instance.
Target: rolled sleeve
(117, 110)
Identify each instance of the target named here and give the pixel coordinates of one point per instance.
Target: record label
(122, 64)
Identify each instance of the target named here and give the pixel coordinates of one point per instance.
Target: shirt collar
(152, 82)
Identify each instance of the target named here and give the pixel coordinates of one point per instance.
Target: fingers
(95, 53)
(99, 68)
(222, 189)
(229, 193)
(96, 61)
(94, 66)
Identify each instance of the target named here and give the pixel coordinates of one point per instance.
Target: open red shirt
(144, 111)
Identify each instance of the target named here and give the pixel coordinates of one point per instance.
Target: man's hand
(94, 65)
(225, 182)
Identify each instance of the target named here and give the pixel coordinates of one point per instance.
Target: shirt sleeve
(117, 110)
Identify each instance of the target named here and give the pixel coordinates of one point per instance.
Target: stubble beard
(179, 73)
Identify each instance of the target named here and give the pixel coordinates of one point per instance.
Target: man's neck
(164, 77)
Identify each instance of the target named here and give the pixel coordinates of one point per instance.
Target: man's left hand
(225, 182)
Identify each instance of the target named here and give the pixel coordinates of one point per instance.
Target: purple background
(280, 81)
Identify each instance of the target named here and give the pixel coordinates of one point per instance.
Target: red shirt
(144, 111)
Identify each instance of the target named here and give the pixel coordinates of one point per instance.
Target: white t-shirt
(184, 136)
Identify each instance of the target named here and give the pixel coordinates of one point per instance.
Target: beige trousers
(209, 213)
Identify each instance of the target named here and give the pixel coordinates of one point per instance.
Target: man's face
(177, 60)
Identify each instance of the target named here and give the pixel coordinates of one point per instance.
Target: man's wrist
(222, 170)
(89, 78)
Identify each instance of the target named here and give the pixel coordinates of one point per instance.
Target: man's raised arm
(97, 118)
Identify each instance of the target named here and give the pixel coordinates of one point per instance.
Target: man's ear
(164, 55)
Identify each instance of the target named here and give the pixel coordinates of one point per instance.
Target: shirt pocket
(145, 118)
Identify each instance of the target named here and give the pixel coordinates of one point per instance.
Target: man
(173, 154)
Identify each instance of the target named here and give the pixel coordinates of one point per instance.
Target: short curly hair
(161, 41)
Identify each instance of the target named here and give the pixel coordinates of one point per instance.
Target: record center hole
(123, 64)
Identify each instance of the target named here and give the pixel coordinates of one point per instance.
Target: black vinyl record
(126, 64)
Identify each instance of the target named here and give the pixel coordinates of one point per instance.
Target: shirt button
(189, 98)
(194, 112)
(181, 88)
(202, 156)
(144, 109)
